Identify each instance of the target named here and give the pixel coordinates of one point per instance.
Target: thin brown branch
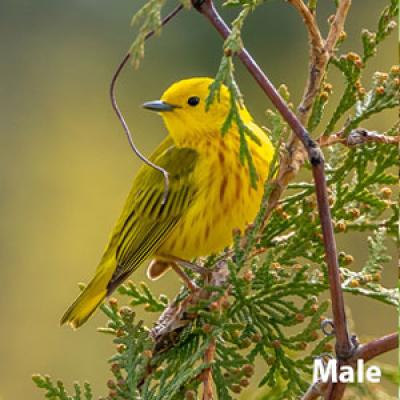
(218, 280)
(337, 26)
(207, 375)
(309, 20)
(377, 347)
(344, 346)
(357, 137)
(318, 59)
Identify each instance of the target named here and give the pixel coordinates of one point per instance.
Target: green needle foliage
(383, 94)
(225, 75)
(259, 324)
(57, 390)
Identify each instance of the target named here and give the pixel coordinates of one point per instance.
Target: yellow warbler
(210, 193)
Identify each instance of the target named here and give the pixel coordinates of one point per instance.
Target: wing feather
(145, 222)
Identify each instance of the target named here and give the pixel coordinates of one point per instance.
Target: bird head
(183, 109)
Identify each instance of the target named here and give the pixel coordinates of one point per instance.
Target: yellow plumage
(210, 193)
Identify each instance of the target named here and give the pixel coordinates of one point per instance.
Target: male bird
(210, 193)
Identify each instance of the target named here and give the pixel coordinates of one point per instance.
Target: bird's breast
(225, 200)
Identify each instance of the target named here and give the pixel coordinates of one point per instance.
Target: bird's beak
(159, 106)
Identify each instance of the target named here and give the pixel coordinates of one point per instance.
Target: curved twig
(121, 118)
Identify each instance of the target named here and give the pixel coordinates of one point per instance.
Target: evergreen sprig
(352, 66)
(225, 75)
(367, 282)
(143, 296)
(57, 391)
(149, 19)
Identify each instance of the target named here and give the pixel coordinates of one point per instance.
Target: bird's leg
(188, 282)
(178, 262)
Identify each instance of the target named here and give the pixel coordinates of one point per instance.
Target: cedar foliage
(266, 314)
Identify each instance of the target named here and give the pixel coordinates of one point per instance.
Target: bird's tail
(88, 301)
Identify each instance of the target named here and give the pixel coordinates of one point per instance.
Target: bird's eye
(193, 101)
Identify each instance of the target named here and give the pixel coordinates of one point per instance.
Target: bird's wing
(145, 222)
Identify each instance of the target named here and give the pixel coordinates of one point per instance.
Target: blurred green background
(65, 166)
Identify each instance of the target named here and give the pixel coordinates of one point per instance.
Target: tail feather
(88, 301)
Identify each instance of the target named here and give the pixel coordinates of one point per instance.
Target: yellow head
(183, 108)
